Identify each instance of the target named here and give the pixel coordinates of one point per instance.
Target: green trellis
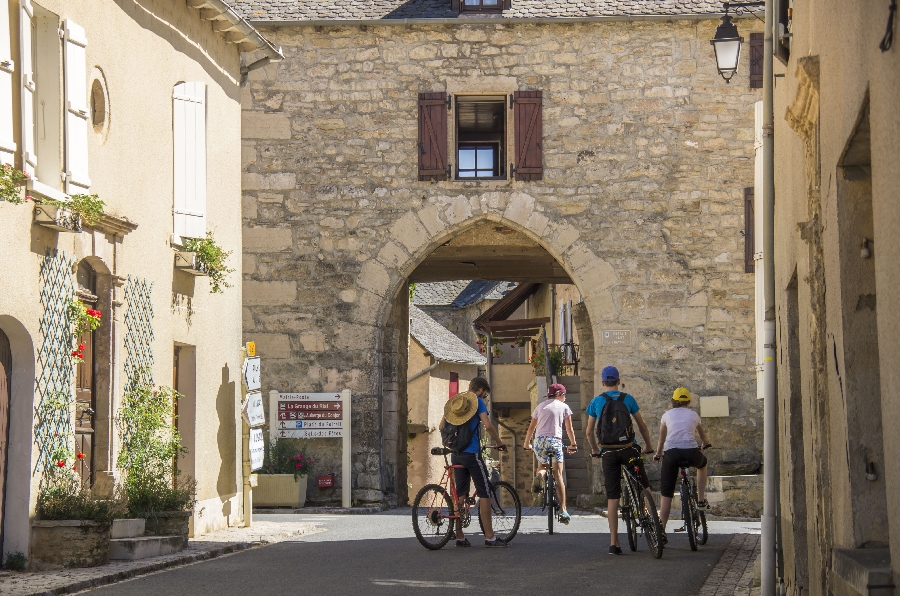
(138, 333)
(53, 430)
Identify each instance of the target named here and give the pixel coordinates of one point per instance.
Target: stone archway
(381, 437)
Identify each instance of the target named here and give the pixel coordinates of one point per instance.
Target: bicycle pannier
(614, 427)
(456, 437)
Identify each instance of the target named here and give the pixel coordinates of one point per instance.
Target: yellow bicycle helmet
(681, 395)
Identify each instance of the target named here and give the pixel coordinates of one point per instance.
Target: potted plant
(150, 445)
(12, 184)
(202, 256)
(70, 215)
(72, 528)
(282, 481)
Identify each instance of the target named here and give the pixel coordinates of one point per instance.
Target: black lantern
(727, 45)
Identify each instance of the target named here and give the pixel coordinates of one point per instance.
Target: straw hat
(461, 407)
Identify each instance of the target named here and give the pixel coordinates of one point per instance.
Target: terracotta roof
(439, 341)
(326, 10)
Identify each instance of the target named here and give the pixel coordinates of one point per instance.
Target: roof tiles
(439, 341)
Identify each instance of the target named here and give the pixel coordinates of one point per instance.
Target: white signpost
(251, 373)
(314, 416)
(253, 410)
(257, 448)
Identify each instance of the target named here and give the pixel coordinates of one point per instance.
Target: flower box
(56, 218)
(169, 523)
(280, 490)
(68, 543)
(187, 262)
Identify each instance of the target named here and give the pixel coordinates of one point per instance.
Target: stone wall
(646, 155)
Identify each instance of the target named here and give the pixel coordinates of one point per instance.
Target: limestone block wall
(646, 155)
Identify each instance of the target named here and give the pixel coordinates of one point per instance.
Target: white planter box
(187, 262)
(280, 490)
(56, 218)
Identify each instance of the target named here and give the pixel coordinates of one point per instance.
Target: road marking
(411, 583)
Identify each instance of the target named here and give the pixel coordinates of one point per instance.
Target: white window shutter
(76, 109)
(189, 129)
(7, 66)
(29, 153)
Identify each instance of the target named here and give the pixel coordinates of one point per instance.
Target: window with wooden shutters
(433, 163)
(7, 66)
(76, 109)
(27, 88)
(189, 130)
(749, 232)
(756, 60)
(528, 116)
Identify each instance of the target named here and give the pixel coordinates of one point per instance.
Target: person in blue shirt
(468, 407)
(614, 456)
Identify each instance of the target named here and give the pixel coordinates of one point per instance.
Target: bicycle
(438, 506)
(694, 517)
(549, 497)
(638, 509)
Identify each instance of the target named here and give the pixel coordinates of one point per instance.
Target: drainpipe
(514, 439)
(423, 372)
(770, 456)
(489, 356)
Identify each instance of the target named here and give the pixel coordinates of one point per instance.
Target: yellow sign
(251, 348)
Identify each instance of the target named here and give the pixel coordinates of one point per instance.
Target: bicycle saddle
(684, 464)
(440, 451)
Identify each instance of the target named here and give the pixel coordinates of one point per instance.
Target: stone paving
(209, 546)
(734, 574)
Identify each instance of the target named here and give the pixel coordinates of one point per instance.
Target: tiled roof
(459, 293)
(310, 10)
(438, 340)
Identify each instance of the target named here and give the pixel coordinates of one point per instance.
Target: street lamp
(727, 42)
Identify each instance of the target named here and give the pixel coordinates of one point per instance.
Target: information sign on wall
(616, 337)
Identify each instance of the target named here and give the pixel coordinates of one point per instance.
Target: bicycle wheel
(431, 516)
(630, 521)
(702, 530)
(506, 512)
(650, 523)
(551, 501)
(687, 514)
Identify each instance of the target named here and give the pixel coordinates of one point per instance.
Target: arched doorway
(5, 383)
(416, 379)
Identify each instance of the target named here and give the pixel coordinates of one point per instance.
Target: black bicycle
(694, 517)
(638, 509)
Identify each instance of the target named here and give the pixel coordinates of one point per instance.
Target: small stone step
(127, 528)
(144, 547)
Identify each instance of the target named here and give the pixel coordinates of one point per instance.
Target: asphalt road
(379, 555)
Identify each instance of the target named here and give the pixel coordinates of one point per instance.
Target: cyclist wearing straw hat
(677, 443)
(468, 407)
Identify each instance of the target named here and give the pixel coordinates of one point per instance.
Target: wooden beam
(515, 324)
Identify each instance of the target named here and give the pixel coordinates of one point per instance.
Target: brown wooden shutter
(749, 230)
(756, 60)
(528, 119)
(433, 163)
(455, 5)
(507, 4)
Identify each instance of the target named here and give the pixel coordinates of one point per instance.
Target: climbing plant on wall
(53, 432)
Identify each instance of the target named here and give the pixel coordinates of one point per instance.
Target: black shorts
(669, 471)
(612, 461)
(474, 469)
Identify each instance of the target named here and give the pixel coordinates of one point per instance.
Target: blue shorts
(544, 447)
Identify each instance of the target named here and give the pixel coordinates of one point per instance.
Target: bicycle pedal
(681, 529)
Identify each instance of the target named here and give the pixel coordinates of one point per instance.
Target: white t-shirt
(550, 415)
(681, 425)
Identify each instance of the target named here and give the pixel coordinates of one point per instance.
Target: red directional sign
(310, 405)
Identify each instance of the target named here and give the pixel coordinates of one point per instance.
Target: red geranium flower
(80, 347)
(61, 463)
(75, 467)
(80, 455)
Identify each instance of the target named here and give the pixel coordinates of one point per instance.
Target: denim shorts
(544, 447)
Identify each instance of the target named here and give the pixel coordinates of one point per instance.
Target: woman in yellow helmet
(677, 443)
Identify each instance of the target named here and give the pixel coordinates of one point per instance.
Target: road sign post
(253, 418)
(315, 416)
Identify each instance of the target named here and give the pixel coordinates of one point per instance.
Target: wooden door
(84, 409)
(5, 378)
(175, 405)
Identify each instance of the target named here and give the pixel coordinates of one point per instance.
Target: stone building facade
(837, 291)
(639, 201)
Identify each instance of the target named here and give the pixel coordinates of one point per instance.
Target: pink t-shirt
(550, 415)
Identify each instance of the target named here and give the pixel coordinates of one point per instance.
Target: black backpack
(614, 427)
(456, 437)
